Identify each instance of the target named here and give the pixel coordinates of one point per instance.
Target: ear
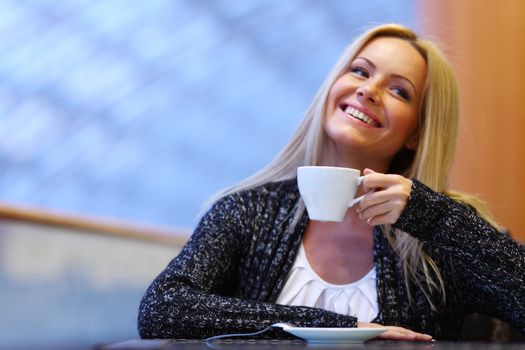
(412, 142)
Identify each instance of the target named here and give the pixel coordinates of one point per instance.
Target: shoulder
(282, 193)
(279, 188)
(271, 191)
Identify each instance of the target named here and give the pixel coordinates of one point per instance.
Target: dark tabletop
(297, 345)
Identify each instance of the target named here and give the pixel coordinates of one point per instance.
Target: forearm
(184, 312)
(441, 222)
(489, 267)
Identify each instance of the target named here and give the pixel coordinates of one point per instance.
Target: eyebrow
(394, 75)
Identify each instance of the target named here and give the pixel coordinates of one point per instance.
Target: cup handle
(356, 200)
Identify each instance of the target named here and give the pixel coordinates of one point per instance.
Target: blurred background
(118, 120)
(142, 110)
(139, 111)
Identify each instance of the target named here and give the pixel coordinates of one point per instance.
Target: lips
(360, 115)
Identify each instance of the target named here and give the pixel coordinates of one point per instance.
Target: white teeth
(360, 115)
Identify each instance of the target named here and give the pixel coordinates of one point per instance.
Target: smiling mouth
(354, 113)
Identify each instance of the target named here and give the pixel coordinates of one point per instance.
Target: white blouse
(304, 287)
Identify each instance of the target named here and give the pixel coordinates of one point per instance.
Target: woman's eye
(401, 92)
(360, 71)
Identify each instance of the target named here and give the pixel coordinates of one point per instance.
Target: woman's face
(373, 108)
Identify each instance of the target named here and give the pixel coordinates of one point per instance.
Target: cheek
(332, 126)
(332, 96)
(341, 87)
(406, 119)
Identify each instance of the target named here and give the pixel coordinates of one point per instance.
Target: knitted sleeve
(489, 266)
(193, 296)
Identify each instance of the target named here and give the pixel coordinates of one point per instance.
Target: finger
(423, 337)
(377, 197)
(368, 171)
(384, 219)
(370, 211)
(372, 181)
(398, 333)
(416, 335)
(391, 196)
(394, 206)
(378, 180)
(395, 335)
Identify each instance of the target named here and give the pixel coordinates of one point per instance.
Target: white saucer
(334, 335)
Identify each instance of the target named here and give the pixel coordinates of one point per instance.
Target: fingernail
(427, 337)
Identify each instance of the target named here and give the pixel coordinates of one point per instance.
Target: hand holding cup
(386, 198)
(328, 192)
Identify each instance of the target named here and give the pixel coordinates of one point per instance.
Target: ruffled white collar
(305, 288)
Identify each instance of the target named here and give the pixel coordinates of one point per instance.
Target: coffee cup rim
(329, 167)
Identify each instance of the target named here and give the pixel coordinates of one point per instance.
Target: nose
(368, 92)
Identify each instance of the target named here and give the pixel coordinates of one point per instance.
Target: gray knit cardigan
(229, 274)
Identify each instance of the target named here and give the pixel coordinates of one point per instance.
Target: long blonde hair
(430, 163)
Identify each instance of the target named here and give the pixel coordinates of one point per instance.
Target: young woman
(411, 256)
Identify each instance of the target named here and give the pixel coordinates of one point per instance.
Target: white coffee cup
(328, 191)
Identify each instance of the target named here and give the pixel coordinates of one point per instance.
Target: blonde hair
(430, 163)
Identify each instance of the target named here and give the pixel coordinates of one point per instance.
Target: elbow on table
(154, 322)
(147, 325)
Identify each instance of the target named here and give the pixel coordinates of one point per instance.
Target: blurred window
(141, 110)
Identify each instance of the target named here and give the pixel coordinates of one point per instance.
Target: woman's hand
(396, 333)
(386, 198)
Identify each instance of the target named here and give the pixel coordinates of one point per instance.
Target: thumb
(366, 186)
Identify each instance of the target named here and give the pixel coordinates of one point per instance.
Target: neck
(357, 159)
(351, 225)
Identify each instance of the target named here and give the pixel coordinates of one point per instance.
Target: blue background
(141, 110)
